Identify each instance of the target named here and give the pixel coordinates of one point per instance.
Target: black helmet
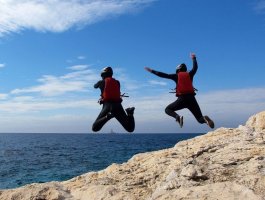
(181, 68)
(106, 72)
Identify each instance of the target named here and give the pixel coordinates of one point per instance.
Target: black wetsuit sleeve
(164, 75)
(194, 68)
(101, 85)
(97, 85)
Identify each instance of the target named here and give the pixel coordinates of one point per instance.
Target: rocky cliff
(223, 164)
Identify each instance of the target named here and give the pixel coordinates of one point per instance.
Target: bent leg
(127, 121)
(102, 118)
(176, 105)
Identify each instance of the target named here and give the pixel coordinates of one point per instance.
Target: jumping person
(111, 101)
(185, 93)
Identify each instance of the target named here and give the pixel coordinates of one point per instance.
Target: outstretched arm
(160, 74)
(148, 69)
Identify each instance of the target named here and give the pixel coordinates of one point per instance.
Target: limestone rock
(257, 122)
(222, 164)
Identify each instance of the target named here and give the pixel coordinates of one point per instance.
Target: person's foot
(130, 111)
(179, 119)
(209, 122)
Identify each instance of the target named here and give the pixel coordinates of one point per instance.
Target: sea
(37, 158)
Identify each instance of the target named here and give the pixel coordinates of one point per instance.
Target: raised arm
(195, 65)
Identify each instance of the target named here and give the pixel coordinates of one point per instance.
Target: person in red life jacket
(111, 103)
(185, 93)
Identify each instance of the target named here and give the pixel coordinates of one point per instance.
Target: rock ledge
(223, 164)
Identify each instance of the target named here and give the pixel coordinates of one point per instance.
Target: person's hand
(192, 55)
(148, 69)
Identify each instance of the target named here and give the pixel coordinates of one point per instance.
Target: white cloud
(234, 105)
(81, 57)
(128, 84)
(154, 82)
(69, 96)
(235, 96)
(57, 15)
(2, 65)
(78, 67)
(28, 105)
(3, 96)
(78, 81)
(228, 108)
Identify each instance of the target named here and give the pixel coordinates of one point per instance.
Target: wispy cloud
(2, 65)
(57, 15)
(77, 81)
(128, 83)
(69, 96)
(154, 82)
(229, 108)
(78, 67)
(236, 96)
(260, 6)
(29, 104)
(81, 57)
(3, 96)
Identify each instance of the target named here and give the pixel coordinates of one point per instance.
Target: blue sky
(52, 52)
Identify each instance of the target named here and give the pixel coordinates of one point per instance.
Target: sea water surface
(38, 158)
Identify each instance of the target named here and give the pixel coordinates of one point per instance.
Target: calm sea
(37, 158)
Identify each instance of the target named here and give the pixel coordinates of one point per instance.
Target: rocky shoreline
(228, 163)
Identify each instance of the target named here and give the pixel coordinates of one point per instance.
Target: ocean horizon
(27, 158)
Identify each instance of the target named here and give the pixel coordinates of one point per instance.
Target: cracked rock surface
(222, 164)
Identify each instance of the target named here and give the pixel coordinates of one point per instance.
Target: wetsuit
(185, 100)
(110, 110)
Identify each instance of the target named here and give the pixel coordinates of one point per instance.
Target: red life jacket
(112, 90)
(184, 85)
